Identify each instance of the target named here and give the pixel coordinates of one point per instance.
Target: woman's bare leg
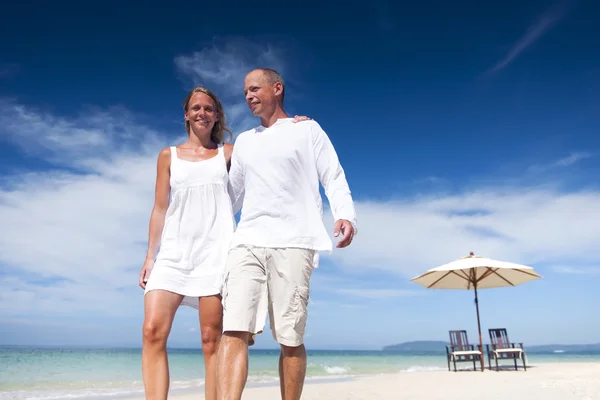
(159, 310)
(211, 327)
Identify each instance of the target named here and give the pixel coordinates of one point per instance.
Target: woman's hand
(300, 118)
(145, 272)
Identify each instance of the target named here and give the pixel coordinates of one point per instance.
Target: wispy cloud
(96, 135)
(571, 159)
(379, 293)
(432, 180)
(577, 270)
(534, 32)
(223, 66)
(81, 224)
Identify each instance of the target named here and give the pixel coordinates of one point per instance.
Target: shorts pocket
(301, 296)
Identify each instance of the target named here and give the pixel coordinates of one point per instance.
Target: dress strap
(173, 154)
(222, 153)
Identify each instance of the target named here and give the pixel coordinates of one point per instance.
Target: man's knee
(293, 351)
(236, 336)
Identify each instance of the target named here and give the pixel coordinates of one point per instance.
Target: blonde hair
(217, 134)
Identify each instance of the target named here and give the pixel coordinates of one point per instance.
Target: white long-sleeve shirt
(274, 178)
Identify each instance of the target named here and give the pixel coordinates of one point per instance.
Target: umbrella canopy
(476, 272)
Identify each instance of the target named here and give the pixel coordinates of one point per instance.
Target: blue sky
(462, 126)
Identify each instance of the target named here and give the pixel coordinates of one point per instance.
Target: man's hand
(344, 227)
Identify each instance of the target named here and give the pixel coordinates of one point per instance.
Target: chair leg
(448, 359)
(496, 358)
(524, 364)
(474, 367)
(515, 360)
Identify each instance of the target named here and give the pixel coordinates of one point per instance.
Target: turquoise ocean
(61, 373)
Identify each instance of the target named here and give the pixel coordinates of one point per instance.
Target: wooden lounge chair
(459, 350)
(502, 349)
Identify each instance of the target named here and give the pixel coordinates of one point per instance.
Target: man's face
(260, 95)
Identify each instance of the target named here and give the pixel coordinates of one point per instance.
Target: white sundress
(198, 228)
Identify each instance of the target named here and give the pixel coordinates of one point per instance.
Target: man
(276, 169)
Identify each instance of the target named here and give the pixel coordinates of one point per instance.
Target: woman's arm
(157, 217)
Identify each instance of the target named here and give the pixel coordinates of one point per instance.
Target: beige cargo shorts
(262, 280)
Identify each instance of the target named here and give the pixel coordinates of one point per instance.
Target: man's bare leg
(292, 371)
(232, 365)
(211, 325)
(159, 311)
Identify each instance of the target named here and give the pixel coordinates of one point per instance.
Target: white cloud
(22, 298)
(81, 226)
(534, 226)
(96, 136)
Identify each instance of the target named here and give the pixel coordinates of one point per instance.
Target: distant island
(428, 346)
(438, 346)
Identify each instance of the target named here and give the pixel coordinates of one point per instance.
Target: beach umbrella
(473, 273)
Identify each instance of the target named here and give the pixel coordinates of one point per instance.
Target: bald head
(271, 77)
(264, 90)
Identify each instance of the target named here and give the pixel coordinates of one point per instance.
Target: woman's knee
(211, 335)
(155, 332)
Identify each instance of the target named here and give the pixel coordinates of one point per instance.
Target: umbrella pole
(479, 328)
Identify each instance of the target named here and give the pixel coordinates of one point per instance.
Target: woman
(194, 231)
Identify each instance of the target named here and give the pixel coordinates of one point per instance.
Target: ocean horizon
(77, 372)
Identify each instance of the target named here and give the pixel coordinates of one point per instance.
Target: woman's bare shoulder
(164, 156)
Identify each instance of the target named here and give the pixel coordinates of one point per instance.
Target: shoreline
(553, 381)
(578, 374)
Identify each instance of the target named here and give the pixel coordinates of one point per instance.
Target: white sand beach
(559, 381)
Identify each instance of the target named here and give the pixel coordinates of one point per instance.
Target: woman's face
(201, 113)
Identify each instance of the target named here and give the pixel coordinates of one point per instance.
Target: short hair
(272, 77)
